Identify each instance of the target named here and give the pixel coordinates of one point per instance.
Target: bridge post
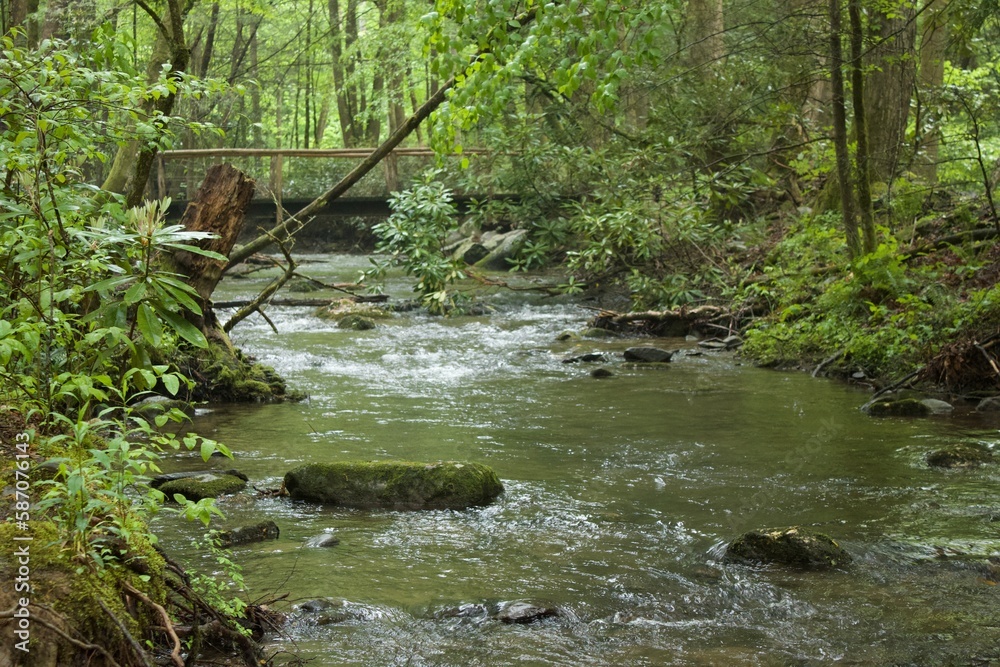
(275, 184)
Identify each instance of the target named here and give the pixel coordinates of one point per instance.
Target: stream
(621, 494)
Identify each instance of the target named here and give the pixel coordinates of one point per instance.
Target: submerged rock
(324, 541)
(356, 322)
(202, 485)
(961, 455)
(906, 407)
(397, 485)
(600, 373)
(991, 404)
(586, 358)
(523, 612)
(648, 354)
(257, 532)
(597, 332)
(794, 546)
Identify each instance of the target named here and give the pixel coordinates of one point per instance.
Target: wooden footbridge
(289, 179)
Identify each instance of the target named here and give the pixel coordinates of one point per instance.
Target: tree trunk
(20, 13)
(206, 54)
(890, 87)
(706, 48)
(134, 161)
(863, 178)
(339, 74)
(65, 19)
(218, 207)
(840, 132)
(933, 42)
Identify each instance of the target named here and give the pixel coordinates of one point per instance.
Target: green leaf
(149, 325)
(171, 383)
(184, 329)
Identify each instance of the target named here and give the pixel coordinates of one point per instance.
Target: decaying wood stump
(220, 207)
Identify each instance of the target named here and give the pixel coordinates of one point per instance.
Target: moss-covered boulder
(203, 485)
(959, 455)
(395, 484)
(344, 308)
(906, 407)
(356, 322)
(793, 546)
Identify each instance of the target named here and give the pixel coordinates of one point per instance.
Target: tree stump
(220, 207)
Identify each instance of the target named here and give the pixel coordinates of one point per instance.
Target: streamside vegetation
(820, 176)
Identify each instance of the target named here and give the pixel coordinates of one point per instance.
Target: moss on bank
(69, 596)
(229, 376)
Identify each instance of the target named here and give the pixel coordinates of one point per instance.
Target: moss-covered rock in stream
(342, 309)
(356, 322)
(960, 455)
(396, 485)
(65, 595)
(203, 485)
(906, 407)
(793, 546)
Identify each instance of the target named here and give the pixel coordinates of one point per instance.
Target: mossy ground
(222, 375)
(72, 590)
(398, 485)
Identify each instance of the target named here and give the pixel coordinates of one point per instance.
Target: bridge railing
(290, 173)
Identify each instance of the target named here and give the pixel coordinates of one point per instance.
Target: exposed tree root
(678, 322)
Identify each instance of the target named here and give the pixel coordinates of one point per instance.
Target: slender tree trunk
(206, 54)
(934, 40)
(890, 88)
(339, 73)
(863, 178)
(840, 132)
(255, 111)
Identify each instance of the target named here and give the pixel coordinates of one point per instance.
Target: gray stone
(732, 342)
(991, 404)
(937, 407)
(507, 246)
(648, 354)
(523, 612)
(713, 344)
(601, 373)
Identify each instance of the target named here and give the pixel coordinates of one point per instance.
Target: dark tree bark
(840, 132)
(218, 207)
(863, 178)
(890, 88)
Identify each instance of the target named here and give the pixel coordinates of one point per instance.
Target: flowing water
(620, 496)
